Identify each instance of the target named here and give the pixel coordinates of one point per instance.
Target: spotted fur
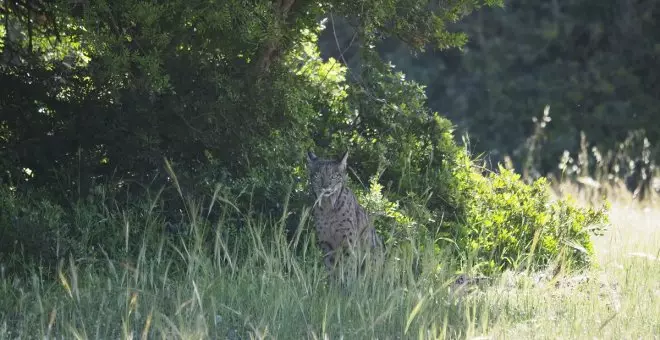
(341, 223)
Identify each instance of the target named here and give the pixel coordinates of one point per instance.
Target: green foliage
(505, 223)
(223, 90)
(510, 224)
(389, 218)
(196, 82)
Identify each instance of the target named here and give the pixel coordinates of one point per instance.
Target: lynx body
(341, 223)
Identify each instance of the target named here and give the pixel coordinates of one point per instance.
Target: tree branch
(271, 50)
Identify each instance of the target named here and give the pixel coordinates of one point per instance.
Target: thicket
(133, 117)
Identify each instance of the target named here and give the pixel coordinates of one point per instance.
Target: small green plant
(388, 216)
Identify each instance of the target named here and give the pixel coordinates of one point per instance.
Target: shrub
(509, 223)
(505, 223)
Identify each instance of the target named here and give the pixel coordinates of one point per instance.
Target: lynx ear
(344, 158)
(311, 157)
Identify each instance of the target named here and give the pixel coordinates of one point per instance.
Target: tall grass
(224, 282)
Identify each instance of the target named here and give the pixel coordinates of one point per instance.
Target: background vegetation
(588, 60)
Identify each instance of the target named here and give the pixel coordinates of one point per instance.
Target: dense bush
(211, 105)
(505, 223)
(509, 223)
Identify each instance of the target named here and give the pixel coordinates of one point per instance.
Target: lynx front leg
(329, 258)
(331, 263)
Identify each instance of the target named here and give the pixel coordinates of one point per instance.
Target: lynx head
(326, 176)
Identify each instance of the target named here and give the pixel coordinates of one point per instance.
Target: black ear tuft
(311, 157)
(344, 159)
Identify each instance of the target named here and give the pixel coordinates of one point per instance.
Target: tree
(126, 83)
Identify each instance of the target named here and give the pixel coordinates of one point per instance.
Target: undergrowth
(203, 284)
(102, 268)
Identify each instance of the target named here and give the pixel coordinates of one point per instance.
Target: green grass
(194, 289)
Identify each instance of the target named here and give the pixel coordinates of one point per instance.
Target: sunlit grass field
(184, 290)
